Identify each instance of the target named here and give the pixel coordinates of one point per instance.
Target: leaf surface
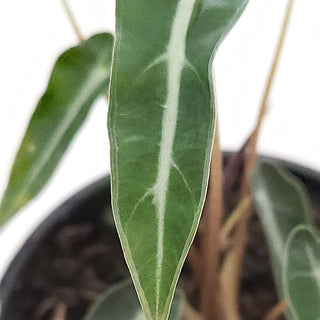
(161, 128)
(301, 273)
(282, 203)
(121, 303)
(79, 76)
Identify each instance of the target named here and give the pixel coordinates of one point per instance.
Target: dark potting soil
(71, 268)
(80, 261)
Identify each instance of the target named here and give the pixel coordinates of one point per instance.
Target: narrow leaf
(79, 76)
(121, 303)
(301, 273)
(161, 127)
(282, 203)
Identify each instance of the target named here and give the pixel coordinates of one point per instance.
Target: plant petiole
(72, 20)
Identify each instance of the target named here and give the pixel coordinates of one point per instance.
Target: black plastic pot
(87, 205)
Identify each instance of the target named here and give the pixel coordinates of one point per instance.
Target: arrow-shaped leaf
(282, 203)
(79, 76)
(301, 273)
(121, 303)
(161, 128)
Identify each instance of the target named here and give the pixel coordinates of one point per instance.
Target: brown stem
(213, 210)
(72, 20)
(189, 313)
(195, 262)
(252, 152)
(229, 293)
(235, 216)
(233, 168)
(276, 311)
(233, 262)
(229, 276)
(60, 312)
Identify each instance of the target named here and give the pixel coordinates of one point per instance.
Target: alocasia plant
(161, 127)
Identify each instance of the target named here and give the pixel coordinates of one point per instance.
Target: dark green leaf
(121, 303)
(282, 203)
(79, 76)
(301, 273)
(161, 127)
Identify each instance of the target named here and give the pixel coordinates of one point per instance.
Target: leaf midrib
(98, 76)
(176, 61)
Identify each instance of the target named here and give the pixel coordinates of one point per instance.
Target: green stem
(72, 20)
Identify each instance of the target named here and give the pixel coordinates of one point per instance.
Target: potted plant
(169, 200)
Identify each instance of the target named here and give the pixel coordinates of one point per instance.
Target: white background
(34, 32)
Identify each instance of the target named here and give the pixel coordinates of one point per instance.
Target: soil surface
(73, 266)
(80, 260)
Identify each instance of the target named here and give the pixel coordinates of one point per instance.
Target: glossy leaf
(161, 127)
(79, 76)
(282, 203)
(301, 273)
(121, 303)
